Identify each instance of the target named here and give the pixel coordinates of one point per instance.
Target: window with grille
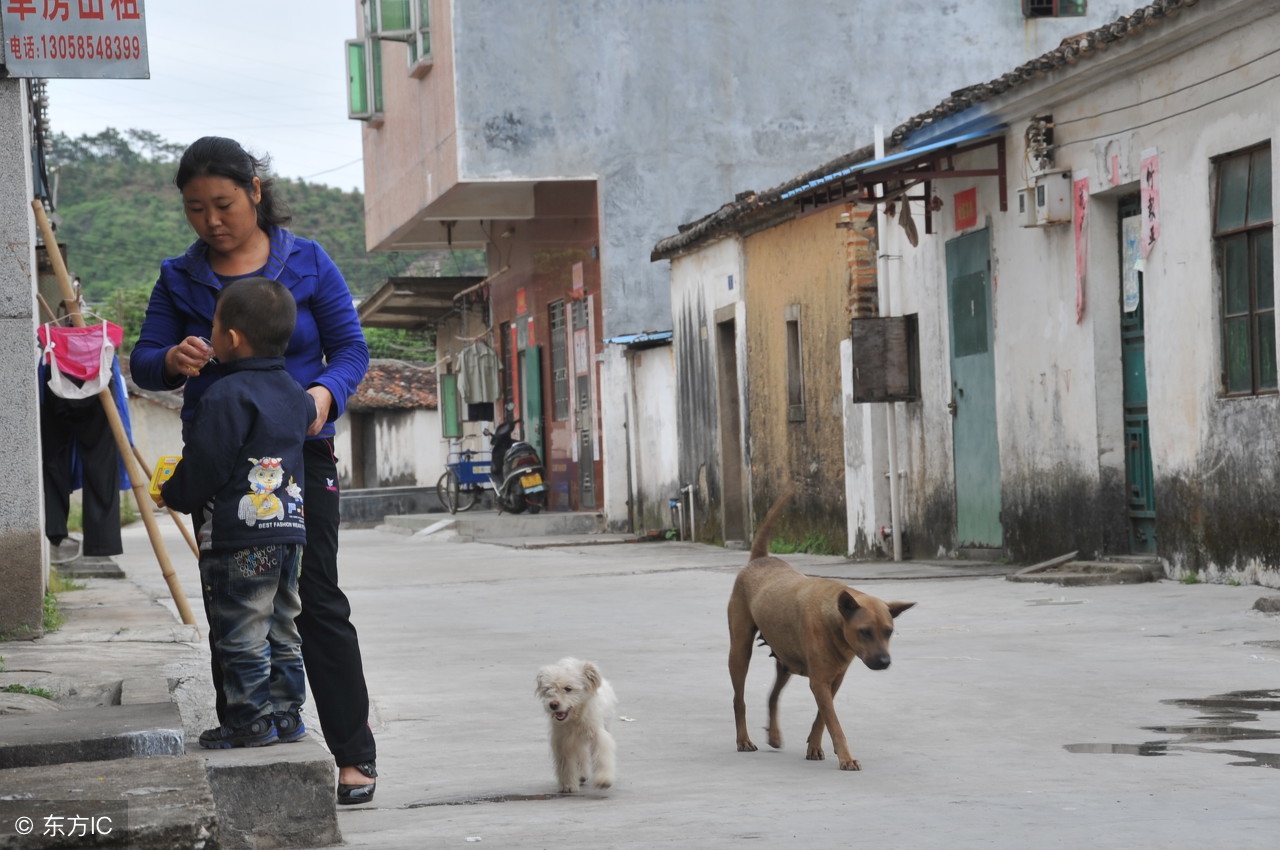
(1242, 243)
(1053, 8)
(559, 363)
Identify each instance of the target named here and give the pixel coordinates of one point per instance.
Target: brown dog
(815, 627)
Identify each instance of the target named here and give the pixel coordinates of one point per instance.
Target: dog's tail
(760, 546)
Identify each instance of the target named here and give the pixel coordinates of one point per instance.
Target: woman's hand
(187, 358)
(324, 401)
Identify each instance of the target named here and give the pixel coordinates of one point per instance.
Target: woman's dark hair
(215, 156)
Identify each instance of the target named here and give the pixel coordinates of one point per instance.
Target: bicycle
(466, 475)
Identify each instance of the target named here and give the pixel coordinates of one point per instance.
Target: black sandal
(349, 795)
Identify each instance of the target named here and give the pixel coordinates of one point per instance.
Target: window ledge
(421, 68)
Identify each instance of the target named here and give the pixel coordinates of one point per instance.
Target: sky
(269, 73)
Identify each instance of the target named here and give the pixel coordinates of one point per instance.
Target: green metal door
(1141, 502)
(973, 392)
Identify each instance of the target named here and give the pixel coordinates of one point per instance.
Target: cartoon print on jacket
(261, 502)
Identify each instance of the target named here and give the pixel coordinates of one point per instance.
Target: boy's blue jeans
(251, 600)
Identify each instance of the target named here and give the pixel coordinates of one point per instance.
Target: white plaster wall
(342, 448)
(1058, 381)
(429, 447)
(409, 447)
(654, 457)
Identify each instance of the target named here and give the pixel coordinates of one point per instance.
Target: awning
(413, 303)
(644, 339)
(898, 174)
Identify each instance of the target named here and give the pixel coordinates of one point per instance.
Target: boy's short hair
(263, 310)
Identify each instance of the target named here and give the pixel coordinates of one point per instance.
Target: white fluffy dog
(580, 705)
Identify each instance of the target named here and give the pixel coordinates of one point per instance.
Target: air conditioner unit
(1046, 201)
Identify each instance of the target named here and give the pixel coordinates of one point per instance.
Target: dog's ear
(591, 673)
(896, 608)
(848, 605)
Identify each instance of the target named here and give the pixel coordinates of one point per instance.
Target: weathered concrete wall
(156, 428)
(798, 265)
(408, 444)
(704, 285)
(22, 558)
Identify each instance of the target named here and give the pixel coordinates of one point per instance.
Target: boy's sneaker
(259, 733)
(289, 726)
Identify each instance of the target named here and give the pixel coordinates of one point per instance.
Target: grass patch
(812, 544)
(23, 689)
(1190, 578)
(52, 616)
(58, 584)
(52, 613)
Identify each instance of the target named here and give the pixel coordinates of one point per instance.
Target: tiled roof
(1069, 52)
(395, 385)
(748, 207)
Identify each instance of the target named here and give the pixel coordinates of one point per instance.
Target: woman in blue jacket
(229, 201)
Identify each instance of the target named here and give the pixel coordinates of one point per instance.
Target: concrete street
(1013, 716)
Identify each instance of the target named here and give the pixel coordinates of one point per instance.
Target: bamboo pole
(138, 478)
(177, 517)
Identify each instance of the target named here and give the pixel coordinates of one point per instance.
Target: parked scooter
(519, 481)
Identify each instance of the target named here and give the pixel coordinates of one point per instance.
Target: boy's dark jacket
(243, 453)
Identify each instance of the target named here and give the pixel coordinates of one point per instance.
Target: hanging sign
(74, 39)
(1150, 200)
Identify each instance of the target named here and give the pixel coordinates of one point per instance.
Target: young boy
(241, 470)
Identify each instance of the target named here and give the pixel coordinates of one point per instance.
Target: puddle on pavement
(1220, 714)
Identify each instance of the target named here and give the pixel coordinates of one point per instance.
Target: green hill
(119, 214)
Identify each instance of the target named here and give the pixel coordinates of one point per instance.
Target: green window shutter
(358, 79)
(450, 421)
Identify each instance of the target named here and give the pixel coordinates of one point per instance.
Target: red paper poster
(1150, 200)
(966, 208)
(1079, 218)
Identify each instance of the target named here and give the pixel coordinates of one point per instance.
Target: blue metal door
(973, 392)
